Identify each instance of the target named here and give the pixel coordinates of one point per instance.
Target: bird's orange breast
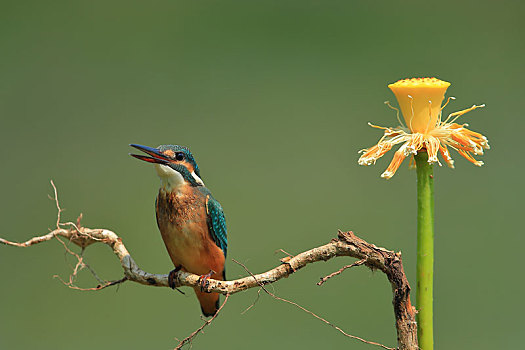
(182, 221)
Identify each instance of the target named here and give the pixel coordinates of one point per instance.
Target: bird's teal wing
(216, 222)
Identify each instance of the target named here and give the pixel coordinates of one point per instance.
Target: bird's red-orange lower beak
(156, 156)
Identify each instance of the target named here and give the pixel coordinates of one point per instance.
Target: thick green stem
(425, 251)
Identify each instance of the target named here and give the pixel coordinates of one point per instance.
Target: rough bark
(346, 244)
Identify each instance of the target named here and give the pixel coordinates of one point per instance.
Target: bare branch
(346, 244)
(254, 302)
(325, 278)
(98, 287)
(313, 314)
(30, 242)
(189, 338)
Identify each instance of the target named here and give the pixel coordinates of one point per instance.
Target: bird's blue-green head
(175, 165)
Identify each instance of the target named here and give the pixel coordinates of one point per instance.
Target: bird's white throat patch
(171, 179)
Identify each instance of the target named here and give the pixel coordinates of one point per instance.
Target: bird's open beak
(156, 155)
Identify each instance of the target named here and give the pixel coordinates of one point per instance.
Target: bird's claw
(172, 279)
(203, 281)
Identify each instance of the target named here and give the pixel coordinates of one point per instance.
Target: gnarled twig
(346, 244)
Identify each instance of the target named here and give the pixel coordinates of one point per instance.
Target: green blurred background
(273, 97)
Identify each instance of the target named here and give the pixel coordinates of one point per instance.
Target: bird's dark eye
(179, 156)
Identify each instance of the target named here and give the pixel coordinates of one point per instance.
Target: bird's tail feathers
(209, 302)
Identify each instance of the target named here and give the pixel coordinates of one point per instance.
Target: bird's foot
(172, 277)
(203, 281)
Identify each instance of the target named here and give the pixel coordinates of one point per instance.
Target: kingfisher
(190, 220)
